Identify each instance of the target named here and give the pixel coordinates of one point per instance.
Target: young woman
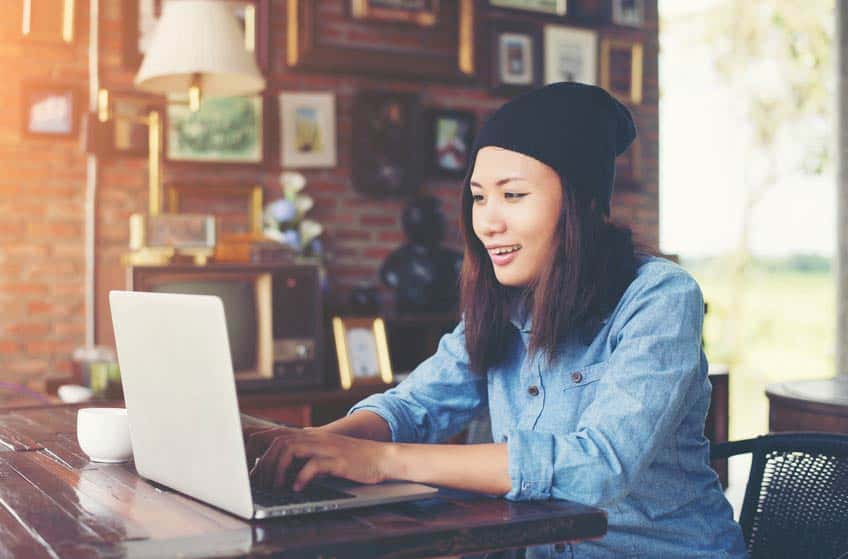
(586, 353)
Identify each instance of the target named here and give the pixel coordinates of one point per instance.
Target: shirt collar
(519, 315)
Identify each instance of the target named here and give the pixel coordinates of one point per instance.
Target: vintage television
(274, 315)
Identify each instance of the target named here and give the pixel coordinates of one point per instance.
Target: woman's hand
(282, 450)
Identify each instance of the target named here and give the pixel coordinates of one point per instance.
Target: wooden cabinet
(809, 405)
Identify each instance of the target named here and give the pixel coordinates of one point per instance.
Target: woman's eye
(514, 195)
(477, 197)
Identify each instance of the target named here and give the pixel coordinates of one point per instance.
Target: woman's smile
(502, 255)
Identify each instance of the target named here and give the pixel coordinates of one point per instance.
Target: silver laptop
(180, 394)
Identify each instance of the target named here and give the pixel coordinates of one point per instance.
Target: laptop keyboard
(310, 494)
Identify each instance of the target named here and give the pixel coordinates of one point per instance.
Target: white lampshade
(199, 42)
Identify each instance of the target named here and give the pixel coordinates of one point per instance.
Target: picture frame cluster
(563, 44)
(519, 45)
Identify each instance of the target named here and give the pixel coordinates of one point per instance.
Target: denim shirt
(616, 422)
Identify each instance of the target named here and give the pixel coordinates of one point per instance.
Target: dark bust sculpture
(424, 274)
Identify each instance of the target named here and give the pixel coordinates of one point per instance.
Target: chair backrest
(796, 501)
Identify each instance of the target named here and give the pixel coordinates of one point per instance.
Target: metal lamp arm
(153, 121)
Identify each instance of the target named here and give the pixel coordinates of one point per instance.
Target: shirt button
(533, 390)
(576, 377)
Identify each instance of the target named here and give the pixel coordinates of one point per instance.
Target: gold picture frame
(395, 11)
(307, 49)
(252, 197)
(621, 69)
(362, 350)
(555, 7)
(38, 31)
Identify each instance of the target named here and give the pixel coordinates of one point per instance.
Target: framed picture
(48, 20)
(419, 12)
(451, 136)
(516, 58)
(139, 19)
(621, 69)
(558, 7)
(628, 12)
(218, 199)
(590, 11)
(224, 130)
(383, 143)
(362, 351)
(308, 129)
(570, 55)
(49, 111)
(179, 231)
(445, 50)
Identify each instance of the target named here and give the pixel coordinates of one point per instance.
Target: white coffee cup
(104, 434)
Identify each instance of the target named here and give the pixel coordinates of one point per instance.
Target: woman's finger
(282, 466)
(257, 442)
(254, 429)
(315, 467)
(266, 467)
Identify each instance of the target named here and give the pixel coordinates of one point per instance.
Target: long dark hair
(593, 262)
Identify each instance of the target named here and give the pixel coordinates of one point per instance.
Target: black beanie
(574, 128)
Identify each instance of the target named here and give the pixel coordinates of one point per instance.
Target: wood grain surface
(55, 503)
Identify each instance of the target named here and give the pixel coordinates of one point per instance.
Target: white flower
(293, 182)
(309, 230)
(274, 234)
(303, 204)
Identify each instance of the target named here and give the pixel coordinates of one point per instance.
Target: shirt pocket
(584, 376)
(574, 389)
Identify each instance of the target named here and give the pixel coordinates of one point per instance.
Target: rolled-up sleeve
(437, 400)
(639, 402)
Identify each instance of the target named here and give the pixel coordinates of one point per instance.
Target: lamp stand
(153, 121)
(154, 162)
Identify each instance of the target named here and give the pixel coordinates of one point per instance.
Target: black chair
(796, 500)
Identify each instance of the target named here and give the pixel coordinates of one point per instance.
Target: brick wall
(42, 185)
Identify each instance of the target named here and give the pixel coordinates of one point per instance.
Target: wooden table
(55, 503)
(809, 405)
